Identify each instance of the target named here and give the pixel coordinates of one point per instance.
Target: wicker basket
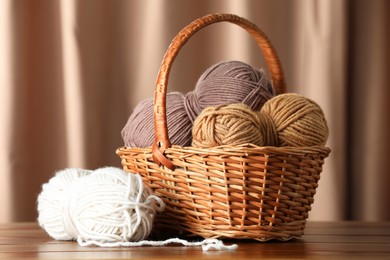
(244, 192)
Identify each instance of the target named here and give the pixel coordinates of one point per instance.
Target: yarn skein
(104, 206)
(233, 124)
(299, 121)
(139, 129)
(50, 203)
(227, 82)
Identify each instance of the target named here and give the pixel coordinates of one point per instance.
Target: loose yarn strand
(136, 202)
(206, 244)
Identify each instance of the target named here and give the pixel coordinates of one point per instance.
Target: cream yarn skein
(233, 124)
(103, 206)
(299, 121)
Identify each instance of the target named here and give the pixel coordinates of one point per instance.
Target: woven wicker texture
(245, 191)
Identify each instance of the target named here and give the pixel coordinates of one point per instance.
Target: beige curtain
(72, 71)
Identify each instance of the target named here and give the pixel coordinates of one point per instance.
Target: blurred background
(71, 73)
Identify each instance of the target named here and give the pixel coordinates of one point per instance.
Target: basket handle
(162, 141)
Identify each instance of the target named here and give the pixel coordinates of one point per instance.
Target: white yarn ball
(51, 202)
(106, 206)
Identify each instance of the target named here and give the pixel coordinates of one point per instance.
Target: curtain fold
(74, 127)
(36, 143)
(6, 65)
(369, 95)
(319, 72)
(72, 72)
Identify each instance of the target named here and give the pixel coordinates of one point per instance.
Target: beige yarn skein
(233, 124)
(299, 121)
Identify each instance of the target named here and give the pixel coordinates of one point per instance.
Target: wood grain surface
(322, 240)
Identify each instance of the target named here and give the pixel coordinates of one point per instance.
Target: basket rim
(237, 150)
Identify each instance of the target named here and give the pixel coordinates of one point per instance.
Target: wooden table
(322, 240)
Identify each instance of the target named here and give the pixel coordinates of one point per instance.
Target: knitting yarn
(50, 202)
(224, 83)
(139, 129)
(233, 124)
(103, 206)
(229, 82)
(299, 121)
